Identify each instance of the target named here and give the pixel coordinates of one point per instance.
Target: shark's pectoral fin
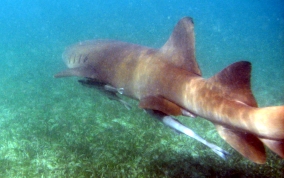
(277, 146)
(245, 143)
(79, 72)
(160, 104)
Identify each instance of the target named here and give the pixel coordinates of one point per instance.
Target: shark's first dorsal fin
(234, 81)
(180, 47)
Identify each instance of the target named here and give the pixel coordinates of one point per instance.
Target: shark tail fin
(267, 128)
(266, 124)
(269, 125)
(269, 122)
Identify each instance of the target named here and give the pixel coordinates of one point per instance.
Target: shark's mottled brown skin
(169, 80)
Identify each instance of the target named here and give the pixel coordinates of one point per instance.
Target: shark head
(80, 58)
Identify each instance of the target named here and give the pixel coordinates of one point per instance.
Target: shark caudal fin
(180, 47)
(267, 127)
(266, 124)
(269, 122)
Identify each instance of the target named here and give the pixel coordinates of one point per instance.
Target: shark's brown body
(169, 80)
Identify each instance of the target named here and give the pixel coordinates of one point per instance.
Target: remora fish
(107, 90)
(111, 92)
(169, 80)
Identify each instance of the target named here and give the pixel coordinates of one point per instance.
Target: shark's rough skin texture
(169, 80)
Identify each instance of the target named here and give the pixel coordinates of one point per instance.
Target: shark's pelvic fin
(180, 47)
(160, 104)
(234, 81)
(245, 143)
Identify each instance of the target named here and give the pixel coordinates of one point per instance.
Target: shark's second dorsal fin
(234, 82)
(180, 47)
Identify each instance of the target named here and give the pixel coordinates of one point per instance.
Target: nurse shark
(168, 81)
